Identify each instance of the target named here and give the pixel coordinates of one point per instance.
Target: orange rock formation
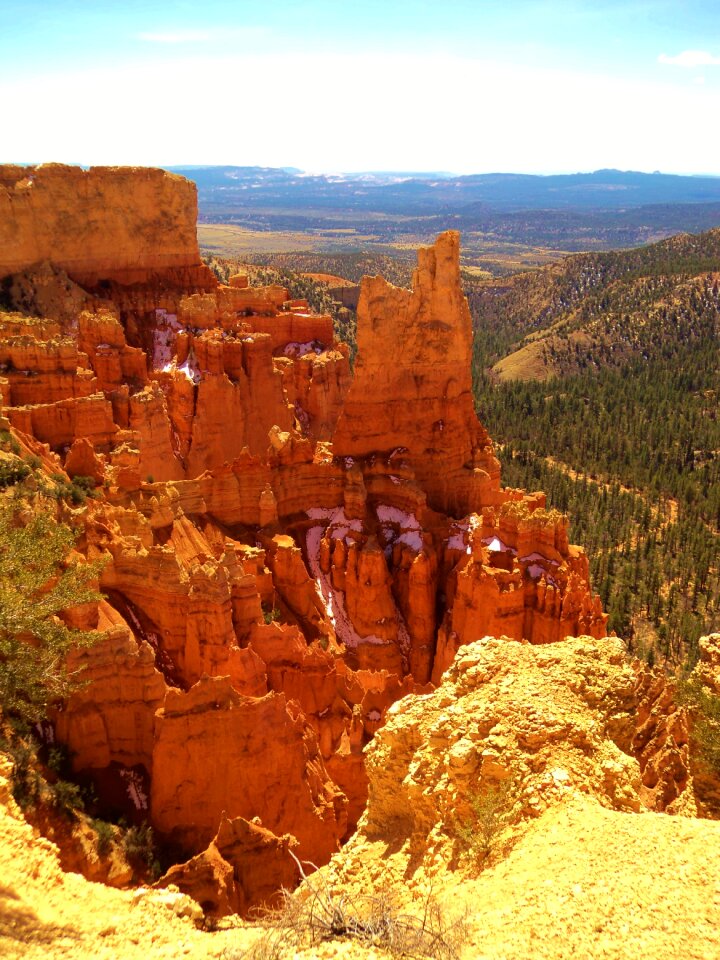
(126, 224)
(287, 552)
(412, 389)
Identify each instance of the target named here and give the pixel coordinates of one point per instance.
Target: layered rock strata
(287, 551)
(412, 389)
(126, 224)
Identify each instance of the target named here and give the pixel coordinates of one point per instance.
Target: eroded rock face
(548, 721)
(243, 868)
(218, 752)
(108, 223)
(287, 554)
(412, 387)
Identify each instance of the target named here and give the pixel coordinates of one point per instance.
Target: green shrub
(704, 709)
(8, 443)
(271, 616)
(26, 781)
(12, 472)
(105, 835)
(490, 810)
(139, 846)
(65, 797)
(37, 585)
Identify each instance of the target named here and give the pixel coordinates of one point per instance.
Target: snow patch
(191, 370)
(496, 545)
(410, 530)
(296, 349)
(461, 536)
(332, 599)
(164, 337)
(339, 526)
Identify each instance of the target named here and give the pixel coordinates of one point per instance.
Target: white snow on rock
(191, 370)
(164, 337)
(496, 545)
(410, 530)
(534, 557)
(333, 600)
(296, 349)
(461, 536)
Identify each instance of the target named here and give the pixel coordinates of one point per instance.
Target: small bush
(490, 810)
(84, 483)
(26, 781)
(58, 759)
(704, 709)
(105, 835)
(139, 846)
(12, 472)
(271, 616)
(8, 443)
(65, 797)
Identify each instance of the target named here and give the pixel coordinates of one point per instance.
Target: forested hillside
(617, 420)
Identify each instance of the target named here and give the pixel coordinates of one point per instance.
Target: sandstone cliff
(126, 224)
(287, 551)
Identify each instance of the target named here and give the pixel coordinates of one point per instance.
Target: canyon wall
(288, 550)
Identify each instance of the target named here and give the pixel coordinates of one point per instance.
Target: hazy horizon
(408, 174)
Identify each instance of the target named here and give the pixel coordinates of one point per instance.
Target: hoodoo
(412, 390)
(287, 550)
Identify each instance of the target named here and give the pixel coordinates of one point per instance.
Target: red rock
(98, 224)
(218, 752)
(242, 869)
(422, 401)
(111, 718)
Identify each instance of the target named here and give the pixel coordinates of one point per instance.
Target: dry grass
(316, 914)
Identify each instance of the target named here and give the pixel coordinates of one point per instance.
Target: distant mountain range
(432, 192)
(508, 221)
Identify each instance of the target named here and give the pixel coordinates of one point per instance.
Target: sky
(464, 86)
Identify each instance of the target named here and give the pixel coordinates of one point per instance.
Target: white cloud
(690, 58)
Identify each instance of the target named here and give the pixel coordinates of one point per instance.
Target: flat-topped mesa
(413, 387)
(120, 224)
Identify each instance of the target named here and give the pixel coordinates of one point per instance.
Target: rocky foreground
(291, 549)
